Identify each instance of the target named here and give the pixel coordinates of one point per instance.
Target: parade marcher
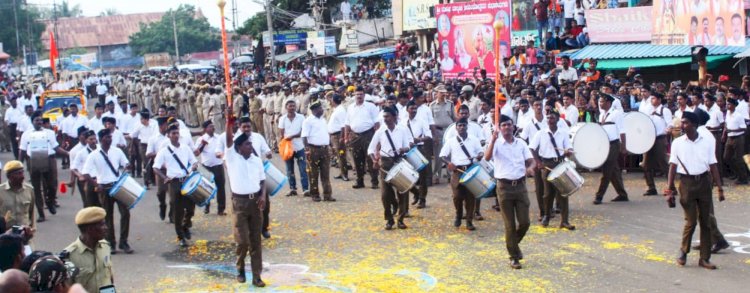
(387, 145)
(90, 253)
(131, 123)
(42, 142)
(95, 123)
(512, 160)
(459, 153)
(692, 157)
(421, 134)
(106, 164)
(361, 123)
(74, 169)
(89, 193)
(69, 128)
(155, 143)
(611, 120)
(734, 141)
(655, 159)
(17, 197)
(550, 147)
(208, 147)
(179, 161)
(291, 129)
(442, 112)
(715, 125)
(336, 129)
(316, 140)
(12, 116)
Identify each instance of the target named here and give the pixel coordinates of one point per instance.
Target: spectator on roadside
(569, 7)
(15, 281)
(11, 251)
(542, 18)
(31, 258)
(49, 275)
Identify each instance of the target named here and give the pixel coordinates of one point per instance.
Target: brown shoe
(241, 277)
(706, 264)
(567, 226)
(316, 198)
(329, 199)
(257, 282)
(515, 264)
(682, 259)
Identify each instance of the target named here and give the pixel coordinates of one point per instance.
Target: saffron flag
(52, 55)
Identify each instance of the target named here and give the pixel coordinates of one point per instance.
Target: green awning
(623, 64)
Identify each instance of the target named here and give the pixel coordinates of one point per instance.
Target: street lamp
(228, 81)
(499, 98)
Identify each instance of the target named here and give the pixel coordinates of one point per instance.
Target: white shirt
(425, 114)
(417, 128)
(696, 155)
(96, 165)
(292, 128)
(145, 132)
(24, 123)
(69, 126)
(155, 143)
(260, 145)
(245, 175)
(571, 114)
(615, 128)
(95, 124)
(662, 117)
(130, 122)
(735, 121)
(570, 74)
(361, 118)
(452, 150)
(209, 153)
(79, 160)
(23, 102)
(164, 158)
(101, 90)
(42, 136)
(509, 159)
(524, 118)
(13, 114)
(337, 120)
(569, 7)
(400, 136)
(716, 117)
(316, 131)
(474, 130)
(742, 108)
(73, 152)
(543, 143)
(118, 139)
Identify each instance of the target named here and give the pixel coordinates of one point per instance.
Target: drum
(403, 176)
(127, 191)
(565, 178)
(205, 173)
(590, 145)
(275, 180)
(38, 151)
(478, 181)
(416, 159)
(198, 189)
(746, 158)
(640, 132)
(449, 129)
(487, 166)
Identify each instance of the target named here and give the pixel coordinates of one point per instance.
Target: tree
(64, 9)
(109, 12)
(193, 34)
(29, 28)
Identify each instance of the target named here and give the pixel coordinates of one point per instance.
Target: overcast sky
(245, 8)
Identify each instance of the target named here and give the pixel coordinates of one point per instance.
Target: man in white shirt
(346, 10)
(567, 73)
(79, 155)
(140, 133)
(513, 161)
(655, 159)
(715, 125)
(107, 164)
(336, 128)
(422, 136)
(208, 147)
(459, 153)
(69, 127)
(473, 128)
(569, 7)
(95, 123)
(12, 116)
(246, 182)
(361, 123)
(153, 146)
(179, 161)
(734, 135)
(291, 129)
(550, 146)
(388, 144)
(316, 139)
(569, 109)
(611, 120)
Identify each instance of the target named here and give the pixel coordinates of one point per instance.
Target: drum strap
(393, 146)
(554, 144)
(109, 163)
(463, 148)
(178, 160)
(683, 166)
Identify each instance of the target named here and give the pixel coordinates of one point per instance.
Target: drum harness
(179, 163)
(109, 163)
(396, 154)
(466, 152)
(554, 145)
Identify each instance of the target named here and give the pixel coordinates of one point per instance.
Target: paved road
(341, 246)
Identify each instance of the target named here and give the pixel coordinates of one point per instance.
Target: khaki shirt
(94, 265)
(279, 103)
(269, 104)
(303, 101)
(17, 207)
(237, 102)
(443, 113)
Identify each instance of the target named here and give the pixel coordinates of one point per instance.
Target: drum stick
(548, 168)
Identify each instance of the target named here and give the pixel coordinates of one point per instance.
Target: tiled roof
(95, 31)
(642, 50)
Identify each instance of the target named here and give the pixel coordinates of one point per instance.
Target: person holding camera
(90, 253)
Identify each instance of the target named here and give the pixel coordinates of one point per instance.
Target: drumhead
(559, 170)
(118, 184)
(470, 173)
(590, 144)
(640, 132)
(190, 184)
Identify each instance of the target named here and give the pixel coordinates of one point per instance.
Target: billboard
(619, 25)
(702, 22)
(467, 38)
(283, 38)
(416, 14)
(523, 16)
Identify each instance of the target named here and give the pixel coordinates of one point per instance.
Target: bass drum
(450, 128)
(590, 145)
(640, 132)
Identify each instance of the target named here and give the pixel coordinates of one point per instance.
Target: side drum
(565, 178)
(416, 159)
(275, 180)
(402, 176)
(127, 191)
(478, 181)
(198, 189)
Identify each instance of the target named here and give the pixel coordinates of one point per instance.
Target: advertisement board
(467, 37)
(416, 14)
(283, 38)
(703, 22)
(619, 25)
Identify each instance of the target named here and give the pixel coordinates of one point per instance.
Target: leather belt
(512, 182)
(246, 196)
(553, 160)
(317, 146)
(694, 177)
(335, 133)
(614, 141)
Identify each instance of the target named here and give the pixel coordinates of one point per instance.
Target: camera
(17, 229)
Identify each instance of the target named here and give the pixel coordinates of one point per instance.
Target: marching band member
(655, 159)
(691, 156)
(154, 145)
(179, 161)
(208, 147)
(361, 123)
(69, 127)
(316, 139)
(715, 125)
(512, 160)
(142, 132)
(550, 146)
(611, 120)
(106, 164)
(734, 138)
(88, 188)
(336, 128)
(43, 171)
(246, 182)
(75, 173)
(459, 153)
(420, 133)
(389, 144)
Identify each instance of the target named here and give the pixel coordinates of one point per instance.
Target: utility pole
(270, 33)
(176, 47)
(15, 18)
(235, 20)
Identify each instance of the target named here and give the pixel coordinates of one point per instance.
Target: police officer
(90, 253)
(16, 197)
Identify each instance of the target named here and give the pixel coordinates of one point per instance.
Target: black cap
(207, 123)
(104, 132)
(82, 130)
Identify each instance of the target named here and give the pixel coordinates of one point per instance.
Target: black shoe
(478, 216)
(421, 204)
(557, 211)
(358, 186)
(258, 283)
(650, 192)
(415, 201)
(720, 245)
(706, 264)
(567, 226)
(682, 258)
(470, 226)
(331, 199)
(188, 235)
(162, 213)
(306, 194)
(221, 213)
(41, 219)
(545, 221)
(515, 264)
(52, 209)
(292, 193)
(597, 201)
(184, 243)
(401, 225)
(374, 186)
(345, 178)
(125, 247)
(457, 222)
(620, 198)
(206, 211)
(241, 277)
(316, 198)
(389, 225)
(266, 234)
(338, 177)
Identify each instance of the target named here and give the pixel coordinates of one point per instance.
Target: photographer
(49, 275)
(90, 253)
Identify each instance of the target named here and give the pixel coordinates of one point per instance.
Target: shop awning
(623, 64)
(743, 54)
(370, 52)
(645, 50)
(290, 56)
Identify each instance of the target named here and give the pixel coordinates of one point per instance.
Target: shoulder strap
(408, 124)
(393, 146)
(463, 148)
(178, 160)
(109, 163)
(554, 144)
(683, 166)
